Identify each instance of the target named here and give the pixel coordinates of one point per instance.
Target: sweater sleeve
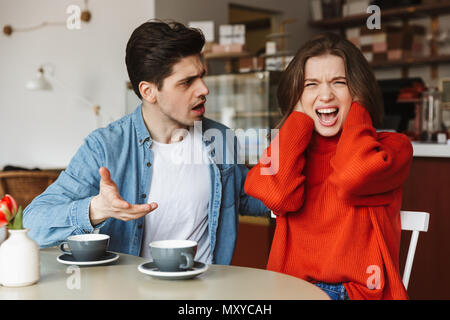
(368, 166)
(278, 180)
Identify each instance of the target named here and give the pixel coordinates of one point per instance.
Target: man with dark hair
(165, 159)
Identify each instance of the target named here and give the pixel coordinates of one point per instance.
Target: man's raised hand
(109, 204)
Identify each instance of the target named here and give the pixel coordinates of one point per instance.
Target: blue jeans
(334, 291)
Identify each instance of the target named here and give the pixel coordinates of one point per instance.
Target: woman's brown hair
(360, 78)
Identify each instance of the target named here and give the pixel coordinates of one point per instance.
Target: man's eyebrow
(201, 75)
(335, 78)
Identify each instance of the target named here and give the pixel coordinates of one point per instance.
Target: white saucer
(69, 259)
(151, 269)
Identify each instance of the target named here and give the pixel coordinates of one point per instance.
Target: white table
(122, 280)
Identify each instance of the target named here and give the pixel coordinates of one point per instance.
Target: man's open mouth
(199, 108)
(328, 116)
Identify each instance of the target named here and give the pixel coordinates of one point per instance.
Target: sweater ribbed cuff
(300, 122)
(357, 116)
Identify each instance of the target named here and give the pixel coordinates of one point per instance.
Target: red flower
(8, 208)
(3, 221)
(11, 202)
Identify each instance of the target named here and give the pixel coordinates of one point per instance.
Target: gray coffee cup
(86, 247)
(173, 255)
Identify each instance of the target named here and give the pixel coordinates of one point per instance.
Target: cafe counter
(434, 150)
(428, 189)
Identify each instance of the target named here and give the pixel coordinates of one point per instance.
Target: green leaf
(17, 224)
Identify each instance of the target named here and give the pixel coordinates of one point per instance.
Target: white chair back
(415, 221)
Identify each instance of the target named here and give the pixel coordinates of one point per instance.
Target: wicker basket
(24, 186)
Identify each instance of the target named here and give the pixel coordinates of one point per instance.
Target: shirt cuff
(80, 216)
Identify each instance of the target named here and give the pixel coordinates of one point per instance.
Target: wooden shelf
(404, 14)
(230, 59)
(412, 62)
(278, 35)
(424, 10)
(409, 101)
(283, 53)
(225, 55)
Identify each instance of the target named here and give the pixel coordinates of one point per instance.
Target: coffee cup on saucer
(86, 247)
(173, 255)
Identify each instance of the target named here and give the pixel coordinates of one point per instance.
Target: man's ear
(148, 91)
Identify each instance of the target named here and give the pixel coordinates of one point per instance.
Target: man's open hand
(109, 204)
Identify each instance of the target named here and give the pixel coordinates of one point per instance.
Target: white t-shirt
(181, 186)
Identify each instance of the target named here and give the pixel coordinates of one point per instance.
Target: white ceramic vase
(3, 233)
(19, 260)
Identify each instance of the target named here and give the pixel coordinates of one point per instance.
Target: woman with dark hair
(337, 189)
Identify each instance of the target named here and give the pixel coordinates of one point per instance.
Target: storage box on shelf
(389, 43)
(402, 14)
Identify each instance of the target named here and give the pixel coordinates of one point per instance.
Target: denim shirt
(124, 148)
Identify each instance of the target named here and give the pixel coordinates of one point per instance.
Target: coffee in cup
(86, 247)
(173, 255)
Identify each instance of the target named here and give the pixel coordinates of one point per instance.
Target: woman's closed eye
(340, 82)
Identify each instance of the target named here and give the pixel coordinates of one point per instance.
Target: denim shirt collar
(141, 129)
(144, 136)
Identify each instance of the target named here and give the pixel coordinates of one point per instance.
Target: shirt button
(140, 140)
(148, 164)
(143, 196)
(139, 226)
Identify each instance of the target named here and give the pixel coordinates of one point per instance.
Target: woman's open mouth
(328, 116)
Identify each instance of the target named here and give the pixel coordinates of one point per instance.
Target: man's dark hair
(155, 46)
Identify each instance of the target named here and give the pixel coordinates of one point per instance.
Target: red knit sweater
(337, 202)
